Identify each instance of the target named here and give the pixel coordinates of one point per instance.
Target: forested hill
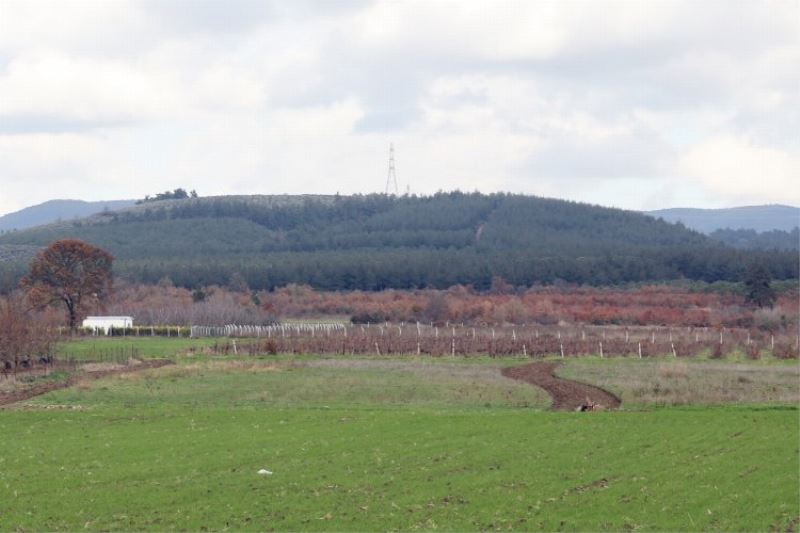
(377, 241)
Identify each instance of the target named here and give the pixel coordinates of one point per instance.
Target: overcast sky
(640, 104)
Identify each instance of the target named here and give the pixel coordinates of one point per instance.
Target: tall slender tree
(759, 291)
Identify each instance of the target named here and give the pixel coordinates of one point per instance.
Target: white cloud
(735, 167)
(619, 102)
(83, 90)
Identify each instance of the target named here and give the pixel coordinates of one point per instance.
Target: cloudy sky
(636, 104)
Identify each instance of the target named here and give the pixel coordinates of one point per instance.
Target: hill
(377, 241)
(748, 239)
(55, 210)
(761, 218)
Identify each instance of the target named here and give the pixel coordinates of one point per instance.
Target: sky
(639, 105)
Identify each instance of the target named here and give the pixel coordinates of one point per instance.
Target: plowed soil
(566, 394)
(43, 388)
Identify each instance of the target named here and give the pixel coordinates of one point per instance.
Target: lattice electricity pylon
(391, 177)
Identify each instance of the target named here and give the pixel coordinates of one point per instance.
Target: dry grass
(677, 370)
(202, 367)
(681, 383)
(484, 374)
(100, 367)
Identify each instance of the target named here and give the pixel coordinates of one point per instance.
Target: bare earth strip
(567, 394)
(8, 398)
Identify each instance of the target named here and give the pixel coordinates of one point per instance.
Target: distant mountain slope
(376, 241)
(757, 217)
(748, 239)
(57, 210)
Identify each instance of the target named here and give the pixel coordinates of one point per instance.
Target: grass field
(93, 348)
(363, 444)
(690, 382)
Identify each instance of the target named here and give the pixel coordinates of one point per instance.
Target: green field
(99, 348)
(398, 444)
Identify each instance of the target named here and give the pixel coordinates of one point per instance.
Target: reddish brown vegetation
(68, 272)
(166, 304)
(655, 305)
(25, 338)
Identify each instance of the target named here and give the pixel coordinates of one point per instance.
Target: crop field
(401, 443)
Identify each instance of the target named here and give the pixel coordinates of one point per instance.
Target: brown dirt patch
(566, 394)
(43, 388)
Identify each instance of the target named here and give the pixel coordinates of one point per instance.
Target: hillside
(374, 242)
(748, 239)
(760, 218)
(55, 210)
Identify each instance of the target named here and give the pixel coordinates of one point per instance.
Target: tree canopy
(72, 273)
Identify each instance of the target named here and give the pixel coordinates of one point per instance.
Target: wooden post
(640, 350)
(562, 350)
(601, 350)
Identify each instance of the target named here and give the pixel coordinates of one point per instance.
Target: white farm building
(105, 323)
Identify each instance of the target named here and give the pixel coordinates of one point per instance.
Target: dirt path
(8, 398)
(566, 394)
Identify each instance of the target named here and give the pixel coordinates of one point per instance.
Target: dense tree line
(375, 242)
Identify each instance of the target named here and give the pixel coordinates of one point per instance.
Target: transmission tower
(391, 177)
